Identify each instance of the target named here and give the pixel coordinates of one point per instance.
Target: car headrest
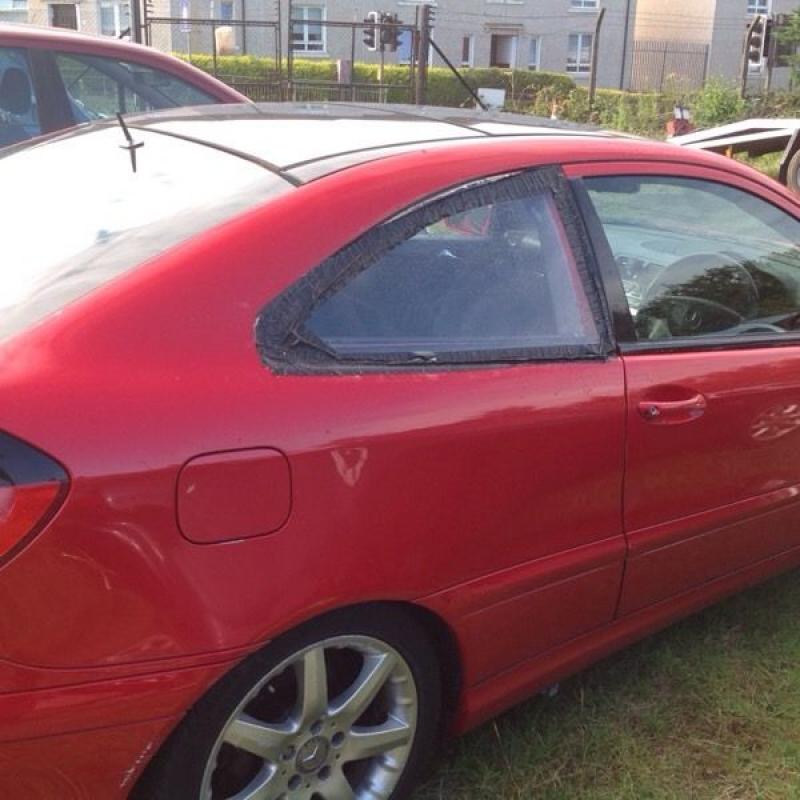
(15, 91)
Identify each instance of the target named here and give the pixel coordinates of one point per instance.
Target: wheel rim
(334, 721)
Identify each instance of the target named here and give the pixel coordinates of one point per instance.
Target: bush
(717, 103)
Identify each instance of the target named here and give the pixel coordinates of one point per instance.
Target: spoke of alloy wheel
(372, 742)
(263, 787)
(336, 787)
(312, 686)
(358, 698)
(259, 738)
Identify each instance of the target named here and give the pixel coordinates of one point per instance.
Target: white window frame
(300, 18)
(584, 5)
(535, 64)
(116, 7)
(758, 7)
(579, 67)
(470, 62)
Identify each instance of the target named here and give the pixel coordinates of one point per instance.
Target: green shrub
(444, 89)
(717, 103)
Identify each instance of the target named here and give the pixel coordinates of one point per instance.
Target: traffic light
(390, 34)
(756, 45)
(372, 33)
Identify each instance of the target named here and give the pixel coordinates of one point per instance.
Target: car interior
(492, 278)
(713, 261)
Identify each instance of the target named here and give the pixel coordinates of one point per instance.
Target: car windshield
(75, 214)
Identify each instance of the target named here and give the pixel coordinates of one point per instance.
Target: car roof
(305, 141)
(44, 38)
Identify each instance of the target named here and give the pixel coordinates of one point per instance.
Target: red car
(328, 430)
(52, 79)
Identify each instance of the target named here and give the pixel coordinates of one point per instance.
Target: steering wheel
(681, 296)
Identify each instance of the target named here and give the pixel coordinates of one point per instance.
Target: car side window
(487, 274)
(19, 119)
(100, 87)
(699, 258)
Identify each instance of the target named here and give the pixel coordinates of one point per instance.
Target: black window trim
(624, 332)
(288, 348)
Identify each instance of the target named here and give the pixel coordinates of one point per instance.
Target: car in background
(753, 137)
(51, 79)
(326, 430)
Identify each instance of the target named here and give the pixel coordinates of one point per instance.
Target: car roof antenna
(131, 146)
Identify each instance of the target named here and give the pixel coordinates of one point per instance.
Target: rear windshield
(74, 214)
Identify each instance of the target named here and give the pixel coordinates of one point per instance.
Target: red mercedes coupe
(329, 430)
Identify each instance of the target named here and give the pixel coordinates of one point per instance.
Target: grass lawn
(708, 709)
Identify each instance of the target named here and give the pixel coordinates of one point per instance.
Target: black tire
(793, 173)
(177, 771)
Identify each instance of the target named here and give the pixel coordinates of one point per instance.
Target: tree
(788, 36)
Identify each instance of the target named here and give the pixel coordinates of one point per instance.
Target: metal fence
(386, 73)
(213, 39)
(662, 64)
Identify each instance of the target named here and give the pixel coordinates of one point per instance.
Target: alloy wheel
(334, 721)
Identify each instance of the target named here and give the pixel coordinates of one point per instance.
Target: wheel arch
(436, 630)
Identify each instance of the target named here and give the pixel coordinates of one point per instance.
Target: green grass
(707, 710)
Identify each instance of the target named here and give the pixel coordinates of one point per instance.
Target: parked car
(328, 430)
(53, 78)
(755, 137)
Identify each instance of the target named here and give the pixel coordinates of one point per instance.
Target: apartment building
(552, 35)
(717, 25)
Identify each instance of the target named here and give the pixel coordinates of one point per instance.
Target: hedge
(444, 88)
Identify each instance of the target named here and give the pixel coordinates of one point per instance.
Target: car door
(703, 271)
(460, 356)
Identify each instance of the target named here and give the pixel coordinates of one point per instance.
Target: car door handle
(672, 412)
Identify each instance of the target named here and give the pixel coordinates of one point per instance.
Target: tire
(793, 173)
(344, 708)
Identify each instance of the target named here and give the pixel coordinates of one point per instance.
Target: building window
(468, 51)
(534, 53)
(503, 51)
(582, 5)
(308, 33)
(115, 17)
(758, 6)
(64, 15)
(226, 10)
(579, 54)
